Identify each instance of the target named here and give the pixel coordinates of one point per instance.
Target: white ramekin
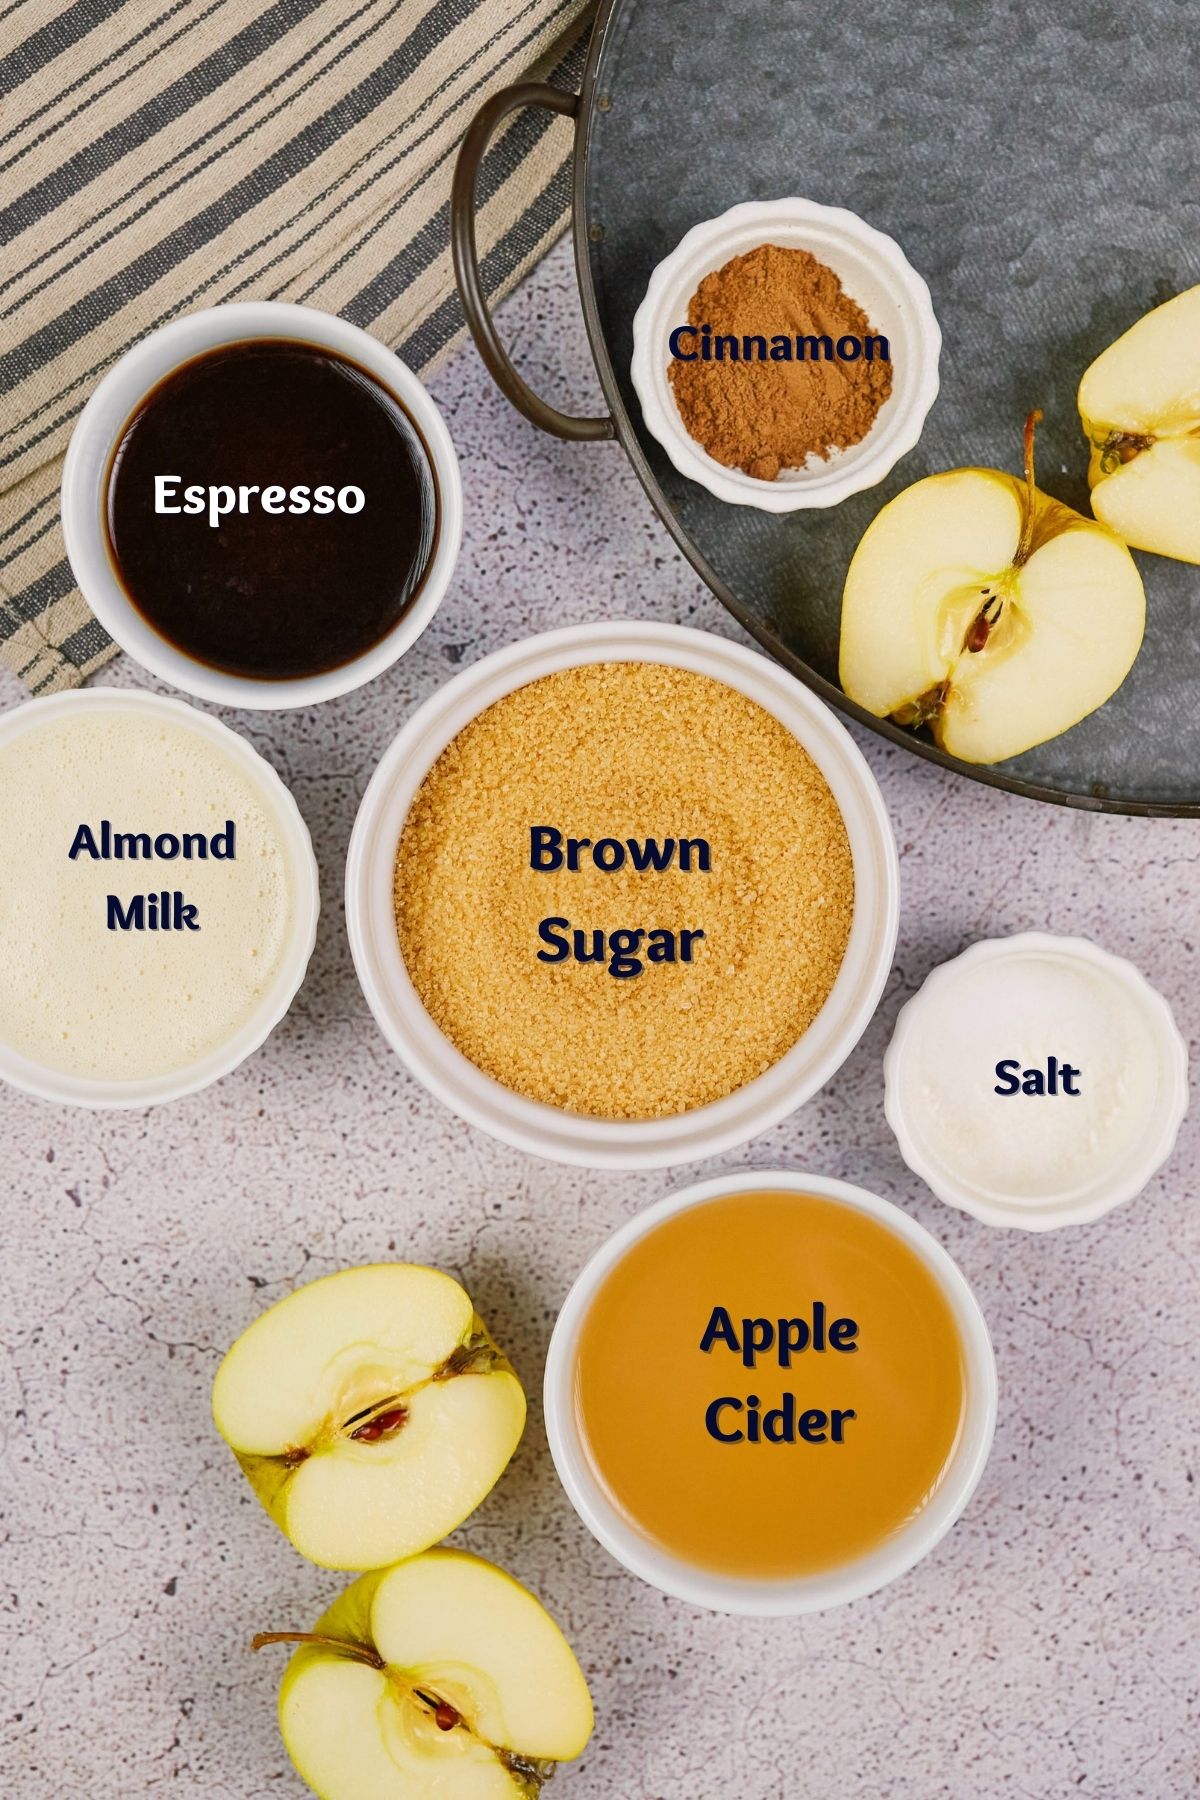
(85, 483)
(872, 269)
(810, 1593)
(546, 1130)
(1078, 1204)
(77, 1090)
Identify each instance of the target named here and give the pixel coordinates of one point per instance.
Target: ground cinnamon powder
(624, 750)
(764, 416)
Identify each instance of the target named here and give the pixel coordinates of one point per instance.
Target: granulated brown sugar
(619, 752)
(765, 415)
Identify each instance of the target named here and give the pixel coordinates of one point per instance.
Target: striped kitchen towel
(158, 158)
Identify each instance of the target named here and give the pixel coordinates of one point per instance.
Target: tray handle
(465, 251)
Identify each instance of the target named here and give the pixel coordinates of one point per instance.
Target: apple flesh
(981, 607)
(1140, 406)
(440, 1676)
(371, 1412)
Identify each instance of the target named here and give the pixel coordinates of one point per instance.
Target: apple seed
(980, 628)
(384, 1424)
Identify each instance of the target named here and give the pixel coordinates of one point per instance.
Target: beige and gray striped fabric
(161, 155)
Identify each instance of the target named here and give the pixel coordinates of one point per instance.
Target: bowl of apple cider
(770, 1393)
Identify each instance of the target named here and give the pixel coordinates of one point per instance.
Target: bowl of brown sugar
(786, 355)
(623, 895)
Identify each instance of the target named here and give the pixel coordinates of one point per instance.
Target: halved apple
(988, 611)
(442, 1676)
(1140, 406)
(371, 1412)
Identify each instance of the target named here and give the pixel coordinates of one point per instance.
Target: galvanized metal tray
(1038, 166)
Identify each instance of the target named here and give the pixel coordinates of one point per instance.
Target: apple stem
(360, 1652)
(1032, 421)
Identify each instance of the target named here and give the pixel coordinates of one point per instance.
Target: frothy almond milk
(146, 894)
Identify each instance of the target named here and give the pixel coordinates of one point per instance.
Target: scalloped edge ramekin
(873, 270)
(546, 1130)
(1080, 1205)
(809, 1593)
(79, 1090)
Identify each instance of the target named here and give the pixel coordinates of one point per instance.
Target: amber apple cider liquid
(769, 1385)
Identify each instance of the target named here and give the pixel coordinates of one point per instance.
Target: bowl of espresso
(262, 505)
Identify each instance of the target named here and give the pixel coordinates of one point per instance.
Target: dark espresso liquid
(272, 587)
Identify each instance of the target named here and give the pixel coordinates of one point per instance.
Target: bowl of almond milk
(158, 899)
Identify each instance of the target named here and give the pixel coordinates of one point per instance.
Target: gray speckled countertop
(1047, 1648)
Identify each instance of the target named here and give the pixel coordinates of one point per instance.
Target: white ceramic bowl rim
(828, 231)
(78, 1090)
(1084, 1203)
(545, 1130)
(811, 1593)
(84, 486)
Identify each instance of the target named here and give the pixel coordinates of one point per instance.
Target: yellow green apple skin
(1140, 407)
(371, 1413)
(983, 608)
(439, 1677)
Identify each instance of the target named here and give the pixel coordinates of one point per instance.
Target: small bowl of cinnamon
(786, 355)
